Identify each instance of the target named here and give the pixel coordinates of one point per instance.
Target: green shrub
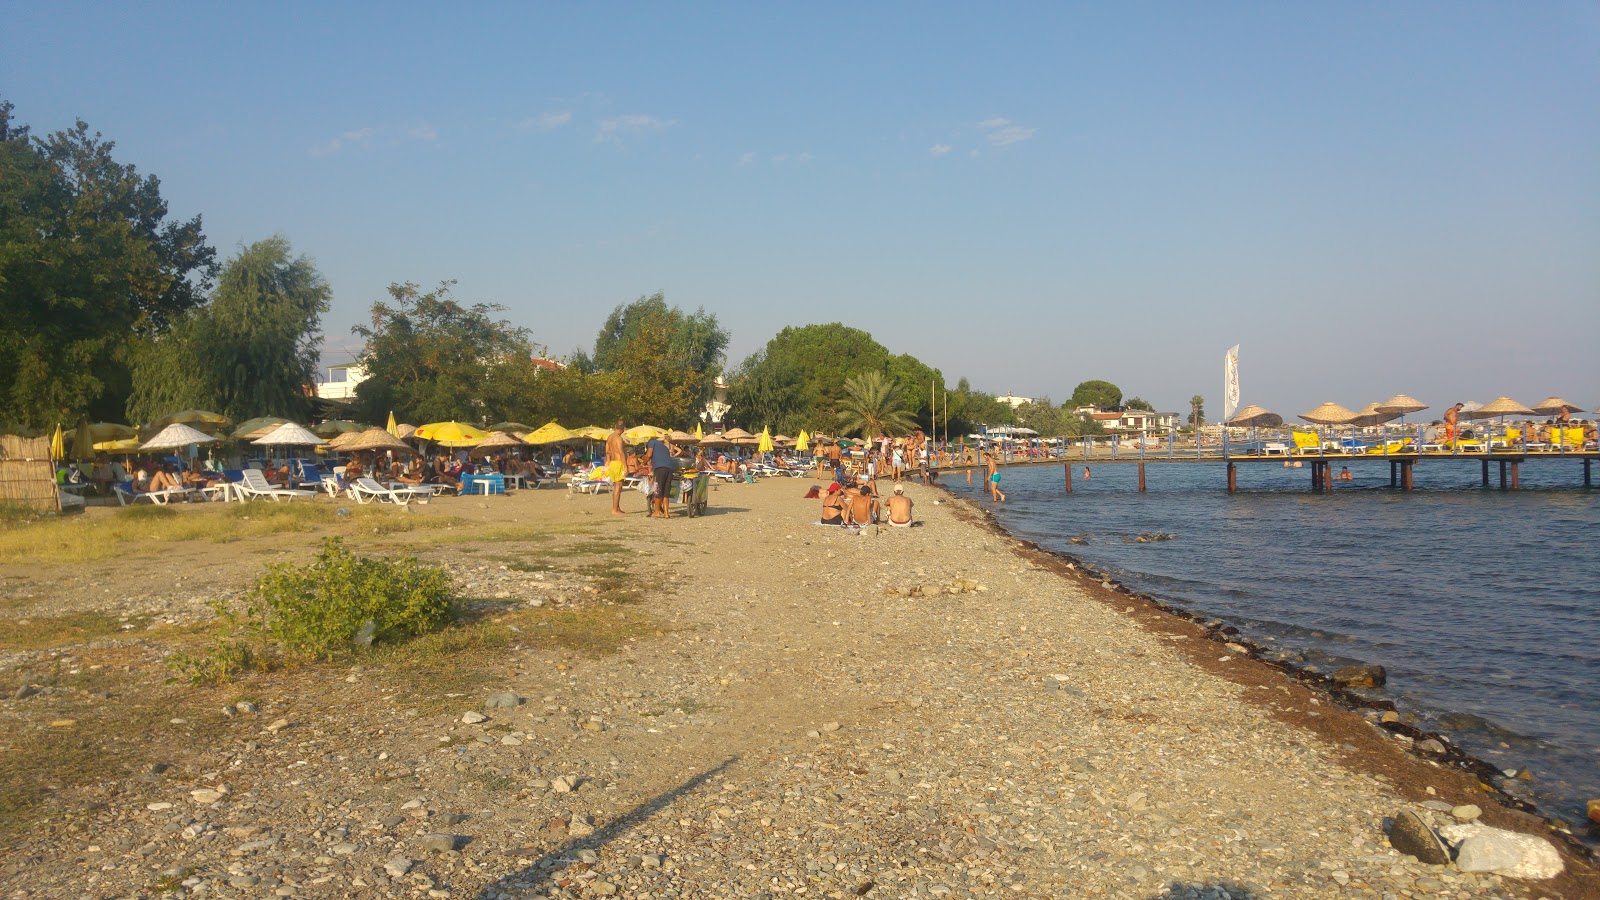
(341, 600)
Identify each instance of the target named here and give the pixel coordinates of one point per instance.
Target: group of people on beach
(857, 503)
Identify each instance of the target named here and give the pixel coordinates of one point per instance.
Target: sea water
(1482, 604)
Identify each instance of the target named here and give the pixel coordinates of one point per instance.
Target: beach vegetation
(90, 261)
(655, 362)
(1197, 411)
(1138, 403)
(250, 351)
(873, 404)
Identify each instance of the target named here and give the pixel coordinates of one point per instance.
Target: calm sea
(1483, 605)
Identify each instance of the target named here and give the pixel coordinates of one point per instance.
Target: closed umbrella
(698, 431)
(391, 427)
(764, 445)
(803, 442)
(451, 434)
(58, 443)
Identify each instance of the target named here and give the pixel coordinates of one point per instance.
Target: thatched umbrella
(404, 431)
(716, 440)
(1329, 413)
(783, 440)
(1499, 406)
(511, 427)
(374, 439)
(498, 440)
(1555, 406)
(1402, 405)
(337, 427)
(210, 420)
(680, 437)
(1371, 415)
(342, 442)
(1253, 416)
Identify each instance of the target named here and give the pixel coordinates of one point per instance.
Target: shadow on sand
(548, 868)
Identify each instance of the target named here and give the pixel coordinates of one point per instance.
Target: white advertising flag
(1230, 383)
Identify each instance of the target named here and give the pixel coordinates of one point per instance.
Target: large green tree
(1100, 394)
(251, 351)
(89, 262)
(672, 358)
(769, 393)
(429, 357)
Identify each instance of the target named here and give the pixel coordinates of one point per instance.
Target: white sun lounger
(159, 498)
(256, 485)
(366, 490)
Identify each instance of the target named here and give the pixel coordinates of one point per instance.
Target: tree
(1139, 403)
(89, 262)
(252, 351)
(685, 352)
(1099, 394)
(1197, 411)
(428, 357)
(765, 392)
(873, 405)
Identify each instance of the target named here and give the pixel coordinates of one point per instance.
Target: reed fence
(27, 475)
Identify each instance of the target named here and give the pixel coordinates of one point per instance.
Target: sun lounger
(366, 490)
(593, 483)
(127, 495)
(254, 485)
(1306, 443)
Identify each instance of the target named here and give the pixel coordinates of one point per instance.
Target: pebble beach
(939, 711)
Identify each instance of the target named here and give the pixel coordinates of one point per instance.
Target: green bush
(342, 601)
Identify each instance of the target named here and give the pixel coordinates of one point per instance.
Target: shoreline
(784, 710)
(1222, 633)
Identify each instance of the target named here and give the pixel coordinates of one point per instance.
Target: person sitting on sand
(863, 506)
(900, 508)
(833, 506)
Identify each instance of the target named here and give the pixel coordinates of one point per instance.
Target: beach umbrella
(698, 431)
(740, 436)
(549, 433)
(1252, 416)
(511, 427)
(764, 444)
(289, 435)
(1370, 415)
(336, 427)
(391, 427)
(803, 442)
(451, 434)
(638, 434)
(122, 445)
(1401, 405)
(680, 437)
(1470, 407)
(715, 440)
(594, 433)
(783, 440)
(1555, 406)
(1329, 413)
(58, 443)
(250, 429)
(193, 417)
(375, 439)
(99, 432)
(403, 431)
(175, 436)
(1499, 406)
(498, 440)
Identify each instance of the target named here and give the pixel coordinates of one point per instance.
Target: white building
(1014, 402)
(341, 381)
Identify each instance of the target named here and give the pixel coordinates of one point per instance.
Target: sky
(1367, 197)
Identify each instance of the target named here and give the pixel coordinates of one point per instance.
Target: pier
(1502, 464)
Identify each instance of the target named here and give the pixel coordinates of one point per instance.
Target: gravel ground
(924, 712)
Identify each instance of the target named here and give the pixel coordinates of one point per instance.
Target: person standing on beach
(661, 452)
(994, 478)
(616, 466)
(1450, 417)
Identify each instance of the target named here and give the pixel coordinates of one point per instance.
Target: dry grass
(41, 633)
(89, 538)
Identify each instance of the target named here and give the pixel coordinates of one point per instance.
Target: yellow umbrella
(452, 434)
(593, 433)
(765, 445)
(803, 442)
(58, 444)
(638, 434)
(698, 431)
(549, 433)
(392, 428)
(125, 445)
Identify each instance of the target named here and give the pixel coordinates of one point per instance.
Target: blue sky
(1369, 197)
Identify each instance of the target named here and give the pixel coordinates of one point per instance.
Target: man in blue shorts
(661, 453)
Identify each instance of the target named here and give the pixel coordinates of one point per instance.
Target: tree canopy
(89, 261)
(251, 351)
(664, 362)
(1100, 394)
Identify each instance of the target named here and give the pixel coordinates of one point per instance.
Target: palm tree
(872, 405)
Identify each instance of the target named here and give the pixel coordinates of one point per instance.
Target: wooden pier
(1507, 463)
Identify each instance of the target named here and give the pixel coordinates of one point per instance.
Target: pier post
(1327, 478)
(1394, 474)
(1515, 486)
(1141, 476)
(1587, 482)
(1233, 476)
(1502, 473)
(1486, 474)
(1316, 476)
(1406, 474)
(1069, 477)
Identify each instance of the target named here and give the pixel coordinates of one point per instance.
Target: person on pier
(1451, 415)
